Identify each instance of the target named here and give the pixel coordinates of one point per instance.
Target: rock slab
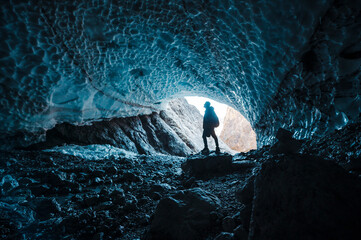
(207, 165)
(305, 198)
(185, 215)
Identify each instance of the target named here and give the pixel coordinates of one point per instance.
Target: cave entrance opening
(234, 129)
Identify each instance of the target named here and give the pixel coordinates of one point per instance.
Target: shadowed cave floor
(56, 196)
(48, 195)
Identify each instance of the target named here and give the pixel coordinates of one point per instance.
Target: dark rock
(99, 173)
(16, 214)
(157, 190)
(98, 236)
(188, 182)
(118, 196)
(105, 192)
(143, 219)
(77, 198)
(105, 206)
(24, 193)
(246, 192)
(27, 181)
(127, 187)
(240, 233)
(112, 170)
(185, 215)
(12, 162)
(161, 187)
(108, 181)
(131, 203)
(286, 143)
(97, 181)
(155, 195)
(9, 230)
(237, 218)
(144, 200)
(216, 218)
(46, 208)
(55, 179)
(146, 219)
(342, 147)
(40, 189)
(91, 200)
(74, 187)
(47, 159)
(228, 224)
(243, 217)
(131, 177)
(243, 165)
(284, 135)
(353, 165)
(305, 198)
(213, 164)
(224, 236)
(310, 61)
(132, 199)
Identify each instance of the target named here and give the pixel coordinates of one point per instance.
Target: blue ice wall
(80, 61)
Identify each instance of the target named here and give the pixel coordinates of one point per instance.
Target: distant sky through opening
(219, 108)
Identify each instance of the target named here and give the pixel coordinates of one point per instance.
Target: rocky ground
(54, 196)
(342, 146)
(272, 193)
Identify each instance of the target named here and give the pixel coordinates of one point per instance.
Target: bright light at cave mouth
(234, 130)
(219, 108)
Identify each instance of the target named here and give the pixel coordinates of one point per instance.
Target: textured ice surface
(322, 92)
(79, 61)
(93, 152)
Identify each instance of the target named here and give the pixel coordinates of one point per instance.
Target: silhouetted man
(210, 121)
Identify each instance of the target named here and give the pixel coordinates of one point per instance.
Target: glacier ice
(92, 152)
(82, 61)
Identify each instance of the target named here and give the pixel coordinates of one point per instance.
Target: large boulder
(286, 143)
(207, 165)
(305, 198)
(186, 215)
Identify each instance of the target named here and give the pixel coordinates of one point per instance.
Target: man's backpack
(215, 120)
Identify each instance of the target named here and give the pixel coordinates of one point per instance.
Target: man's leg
(216, 140)
(205, 140)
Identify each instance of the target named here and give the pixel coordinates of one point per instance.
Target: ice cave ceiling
(293, 64)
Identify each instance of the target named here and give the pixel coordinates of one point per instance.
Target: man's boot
(205, 151)
(218, 150)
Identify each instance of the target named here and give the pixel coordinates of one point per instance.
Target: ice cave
(98, 141)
